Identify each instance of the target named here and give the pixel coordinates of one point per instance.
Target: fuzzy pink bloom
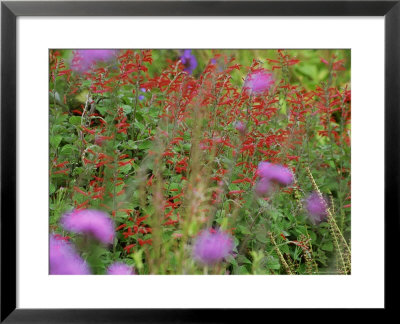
(98, 140)
(258, 81)
(316, 207)
(90, 222)
(64, 260)
(83, 60)
(263, 187)
(275, 172)
(119, 268)
(212, 246)
(240, 127)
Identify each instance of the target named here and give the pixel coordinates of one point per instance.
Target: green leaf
(77, 171)
(313, 236)
(233, 187)
(243, 229)
(101, 109)
(243, 259)
(68, 150)
(55, 141)
(52, 188)
(139, 116)
(125, 169)
(127, 109)
(229, 258)
(75, 120)
(82, 97)
(60, 119)
(262, 237)
(140, 126)
(275, 214)
(273, 263)
(284, 248)
(282, 104)
(145, 145)
(130, 145)
(310, 71)
(187, 146)
(327, 246)
(243, 270)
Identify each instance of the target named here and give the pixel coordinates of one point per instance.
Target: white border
(364, 288)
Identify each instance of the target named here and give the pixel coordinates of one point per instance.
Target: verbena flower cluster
(189, 61)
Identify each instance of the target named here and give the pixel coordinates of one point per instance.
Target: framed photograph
(160, 158)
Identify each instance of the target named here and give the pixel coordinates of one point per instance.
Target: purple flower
(64, 260)
(258, 81)
(276, 173)
(240, 127)
(83, 60)
(90, 222)
(189, 61)
(141, 97)
(316, 207)
(263, 187)
(212, 246)
(119, 268)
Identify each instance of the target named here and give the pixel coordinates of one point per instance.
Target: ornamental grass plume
(90, 222)
(258, 81)
(316, 207)
(83, 60)
(64, 260)
(189, 61)
(212, 246)
(120, 268)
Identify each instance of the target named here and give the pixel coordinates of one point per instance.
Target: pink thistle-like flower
(83, 60)
(263, 187)
(98, 140)
(119, 268)
(316, 207)
(258, 81)
(240, 127)
(211, 247)
(275, 173)
(90, 222)
(64, 260)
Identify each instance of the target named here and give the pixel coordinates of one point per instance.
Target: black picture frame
(10, 10)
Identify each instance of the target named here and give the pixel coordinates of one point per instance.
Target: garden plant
(199, 161)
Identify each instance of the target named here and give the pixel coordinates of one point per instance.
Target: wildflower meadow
(199, 161)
